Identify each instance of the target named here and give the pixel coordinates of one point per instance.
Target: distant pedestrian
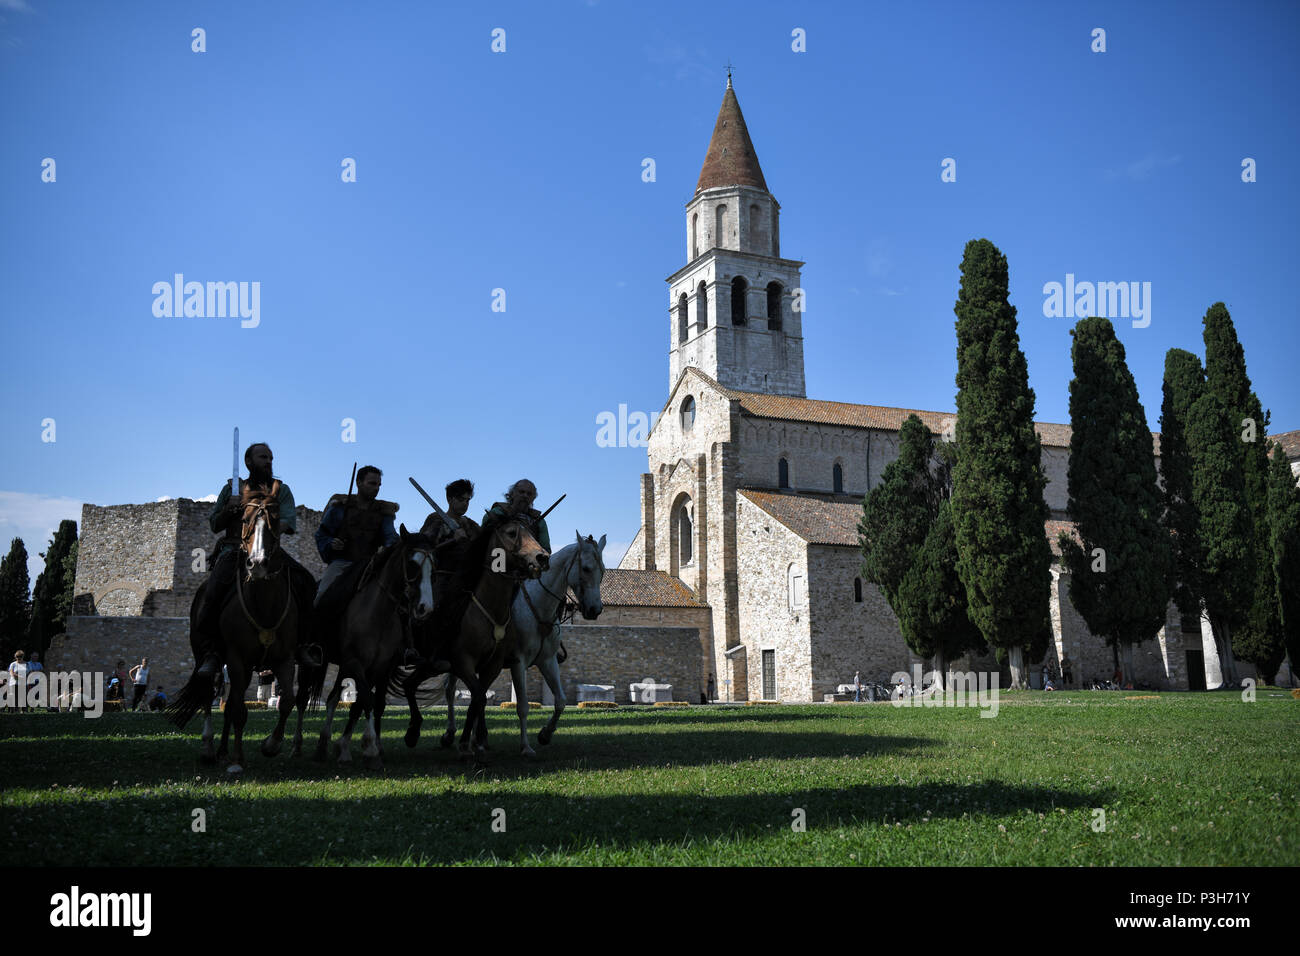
(140, 675)
(1067, 671)
(857, 687)
(713, 689)
(18, 676)
(264, 681)
(159, 700)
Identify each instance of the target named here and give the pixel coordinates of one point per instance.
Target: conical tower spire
(731, 160)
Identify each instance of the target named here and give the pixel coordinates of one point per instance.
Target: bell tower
(736, 307)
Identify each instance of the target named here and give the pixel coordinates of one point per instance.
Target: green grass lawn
(1185, 779)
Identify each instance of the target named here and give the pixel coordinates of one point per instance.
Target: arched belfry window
(857, 590)
(720, 227)
(739, 292)
(688, 413)
(695, 235)
(774, 306)
(783, 473)
(681, 319)
(702, 306)
(837, 478)
(685, 534)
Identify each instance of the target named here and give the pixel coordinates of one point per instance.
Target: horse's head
(259, 534)
(585, 573)
(524, 557)
(416, 559)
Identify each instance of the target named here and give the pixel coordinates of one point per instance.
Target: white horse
(535, 634)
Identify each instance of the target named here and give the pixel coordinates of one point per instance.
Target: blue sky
(522, 171)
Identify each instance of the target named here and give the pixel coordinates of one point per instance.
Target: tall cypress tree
(1259, 638)
(896, 514)
(51, 585)
(13, 600)
(1224, 536)
(998, 509)
(64, 608)
(931, 606)
(1184, 382)
(1284, 536)
(1121, 577)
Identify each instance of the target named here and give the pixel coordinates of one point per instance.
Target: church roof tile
(632, 587)
(792, 408)
(833, 519)
(1290, 442)
(731, 159)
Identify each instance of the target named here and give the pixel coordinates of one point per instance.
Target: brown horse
(469, 630)
(398, 595)
(259, 630)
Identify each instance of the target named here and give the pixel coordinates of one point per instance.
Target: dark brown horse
(470, 630)
(398, 595)
(259, 631)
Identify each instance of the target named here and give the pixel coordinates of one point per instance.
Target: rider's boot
(207, 623)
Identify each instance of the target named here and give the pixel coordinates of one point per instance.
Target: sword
(234, 471)
(553, 507)
(434, 505)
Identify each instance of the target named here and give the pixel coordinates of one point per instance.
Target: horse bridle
(499, 630)
(403, 604)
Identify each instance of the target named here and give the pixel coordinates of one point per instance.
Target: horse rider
(226, 516)
(449, 546)
(352, 531)
(519, 506)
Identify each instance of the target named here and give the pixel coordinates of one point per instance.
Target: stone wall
(769, 554)
(698, 618)
(148, 560)
(125, 559)
(98, 643)
(621, 655)
(848, 635)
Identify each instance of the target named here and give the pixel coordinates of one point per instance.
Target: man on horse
(449, 546)
(519, 506)
(226, 517)
(352, 531)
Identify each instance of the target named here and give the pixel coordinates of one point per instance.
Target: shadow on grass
(105, 757)
(456, 826)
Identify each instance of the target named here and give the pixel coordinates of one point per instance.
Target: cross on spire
(728, 74)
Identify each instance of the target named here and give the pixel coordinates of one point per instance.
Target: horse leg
(354, 670)
(477, 704)
(331, 703)
(449, 737)
(305, 682)
(550, 669)
(275, 740)
(207, 755)
(519, 677)
(486, 679)
(410, 686)
(381, 701)
(236, 715)
(370, 757)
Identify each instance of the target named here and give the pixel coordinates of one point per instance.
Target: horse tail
(316, 684)
(193, 697)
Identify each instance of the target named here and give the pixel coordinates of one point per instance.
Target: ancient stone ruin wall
(126, 560)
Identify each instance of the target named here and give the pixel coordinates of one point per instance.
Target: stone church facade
(754, 491)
